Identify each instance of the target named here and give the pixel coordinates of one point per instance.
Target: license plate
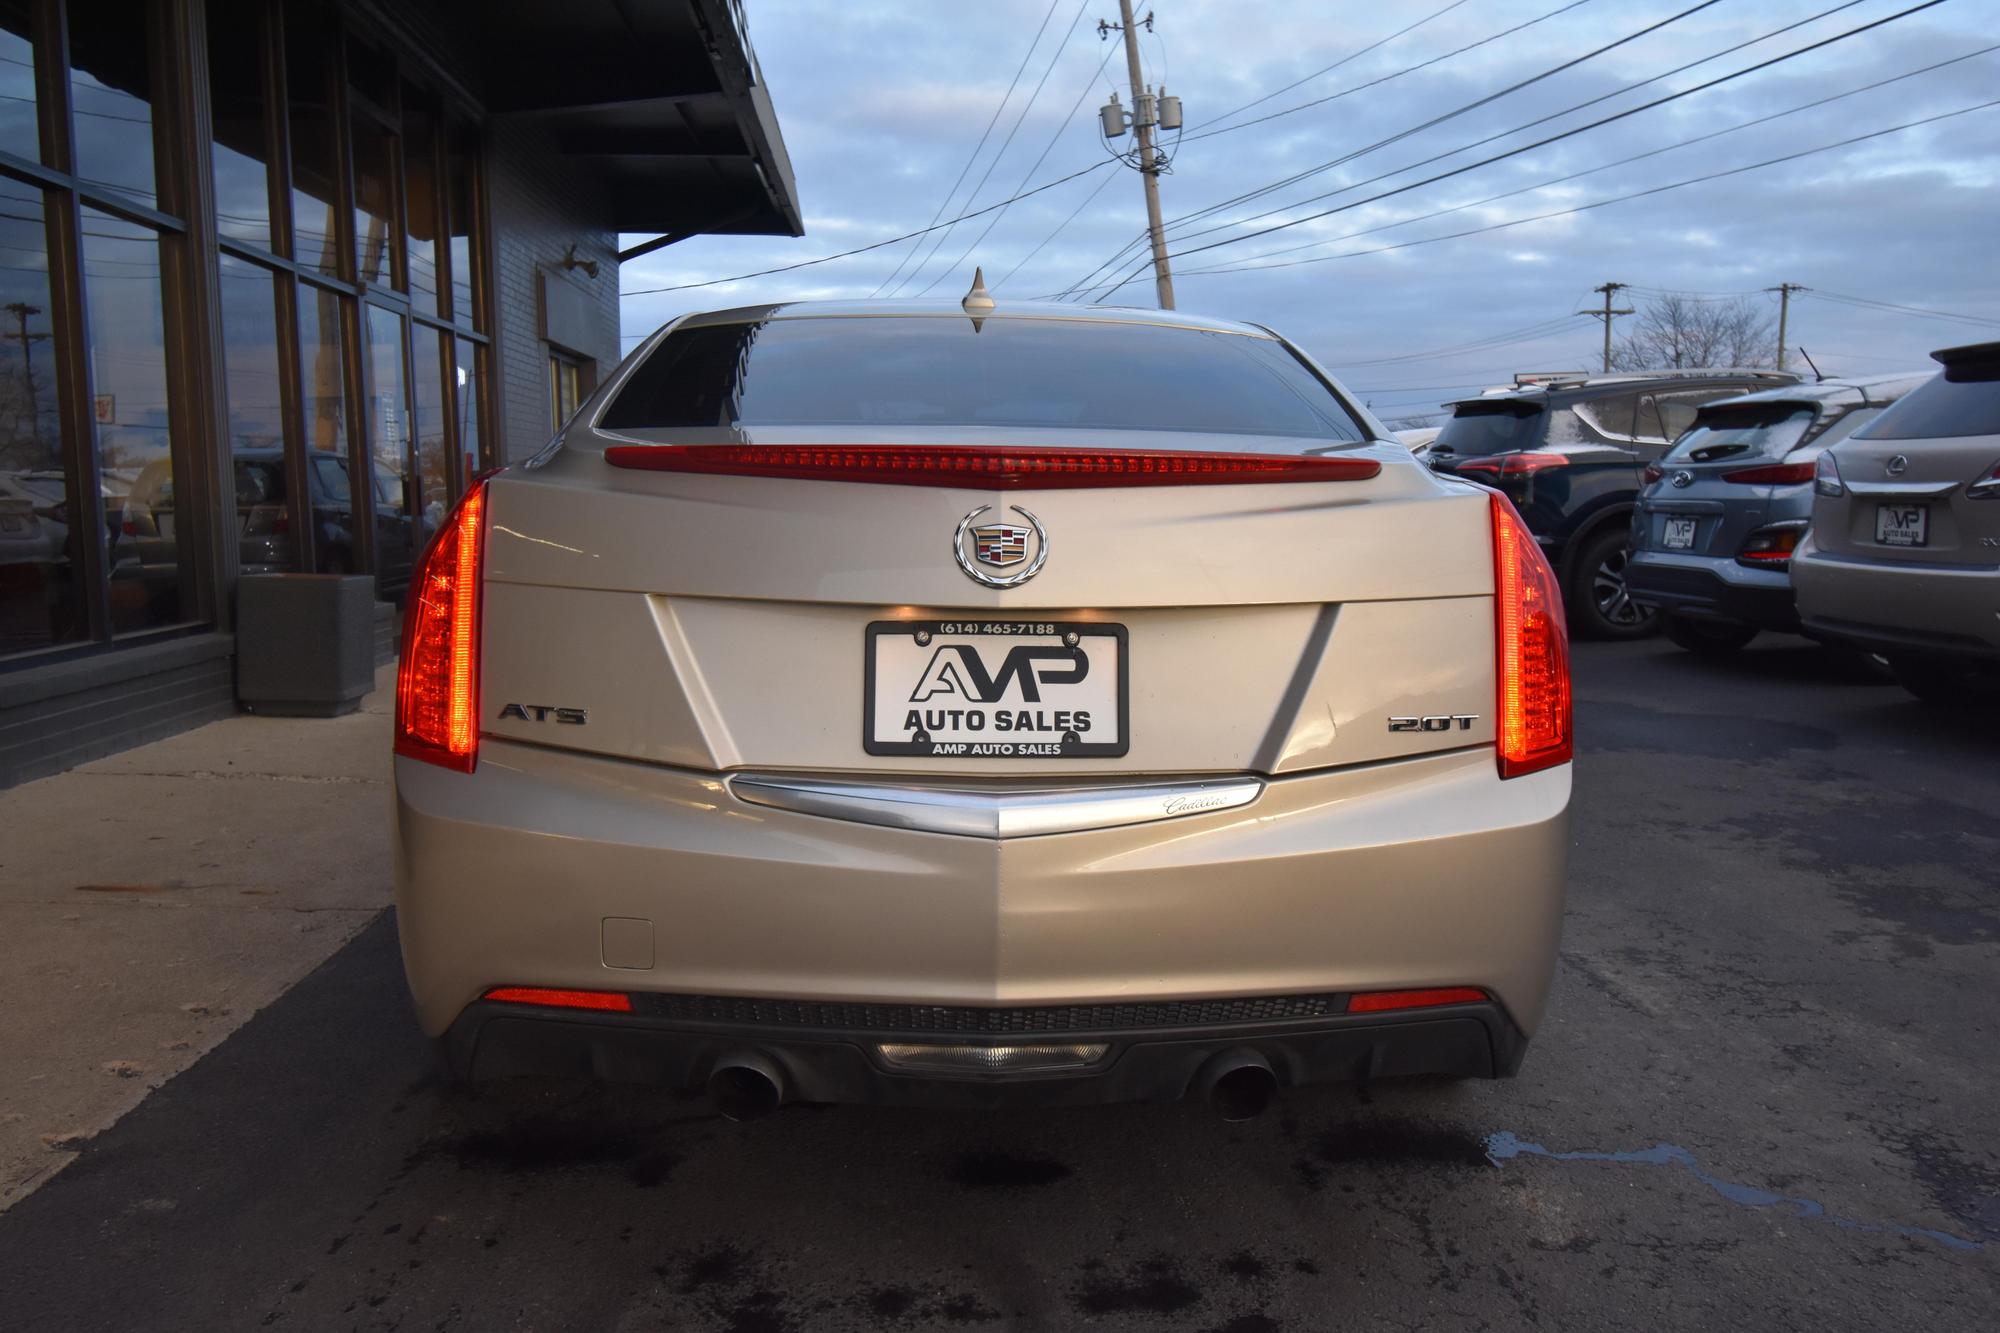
(995, 689)
(1902, 525)
(1678, 534)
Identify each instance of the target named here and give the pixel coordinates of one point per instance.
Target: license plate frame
(1902, 525)
(917, 649)
(1678, 533)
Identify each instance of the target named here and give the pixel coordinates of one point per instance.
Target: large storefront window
(20, 125)
(263, 520)
(389, 451)
(129, 413)
(351, 361)
(41, 597)
(112, 96)
(236, 110)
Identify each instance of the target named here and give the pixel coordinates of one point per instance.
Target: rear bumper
(1903, 606)
(1703, 587)
(817, 1064)
(546, 868)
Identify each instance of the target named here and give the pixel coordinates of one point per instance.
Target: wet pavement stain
(1400, 1143)
(998, 1170)
(1153, 1286)
(1504, 1146)
(1627, 727)
(1968, 1190)
(1245, 1266)
(1255, 1322)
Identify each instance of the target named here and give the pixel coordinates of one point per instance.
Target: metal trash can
(305, 643)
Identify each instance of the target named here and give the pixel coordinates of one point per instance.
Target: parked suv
(1903, 557)
(1569, 451)
(1713, 536)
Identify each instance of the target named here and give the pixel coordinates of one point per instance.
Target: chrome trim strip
(1016, 810)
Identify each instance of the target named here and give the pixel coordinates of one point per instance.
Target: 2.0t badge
(1000, 546)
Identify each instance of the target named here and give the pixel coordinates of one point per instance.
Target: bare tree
(1682, 332)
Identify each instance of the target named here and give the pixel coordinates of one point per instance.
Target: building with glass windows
(277, 277)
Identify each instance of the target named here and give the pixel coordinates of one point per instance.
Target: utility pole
(1607, 315)
(1784, 291)
(1148, 112)
(22, 311)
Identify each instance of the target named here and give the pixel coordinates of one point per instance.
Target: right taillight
(1826, 477)
(1531, 641)
(1515, 465)
(437, 679)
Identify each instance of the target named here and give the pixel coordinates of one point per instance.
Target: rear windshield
(1501, 427)
(1965, 400)
(914, 371)
(1767, 430)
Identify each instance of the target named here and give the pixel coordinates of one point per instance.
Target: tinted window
(1767, 430)
(1007, 372)
(1944, 407)
(332, 479)
(1478, 429)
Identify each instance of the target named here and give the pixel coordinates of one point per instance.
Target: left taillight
(437, 678)
(1773, 474)
(1531, 648)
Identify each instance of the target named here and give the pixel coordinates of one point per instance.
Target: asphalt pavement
(1764, 1097)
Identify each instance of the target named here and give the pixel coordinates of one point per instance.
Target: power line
(1657, 189)
(1060, 228)
(877, 245)
(1525, 125)
(976, 150)
(1869, 303)
(1067, 120)
(1554, 138)
(1352, 56)
(1085, 283)
(1619, 162)
(1019, 119)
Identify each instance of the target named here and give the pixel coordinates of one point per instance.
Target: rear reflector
(437, 680)
(1381, 1001)
(1774, 474)
(941, 465)
(1531, 643)
(1514, 465)
(613, 1001)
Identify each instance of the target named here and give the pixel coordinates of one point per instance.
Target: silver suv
(1903, 557)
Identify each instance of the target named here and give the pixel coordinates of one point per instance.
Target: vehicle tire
(1946, 684)
(1599, 605)
(1710, 638)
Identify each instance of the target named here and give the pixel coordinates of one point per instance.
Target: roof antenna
(1820, 374)
(978, 301)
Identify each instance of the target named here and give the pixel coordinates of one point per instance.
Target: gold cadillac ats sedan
(968, 706)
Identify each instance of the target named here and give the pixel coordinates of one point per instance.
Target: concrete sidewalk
(151, 902)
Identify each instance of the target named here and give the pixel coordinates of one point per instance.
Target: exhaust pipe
(1239, 1085)
(745, 1087)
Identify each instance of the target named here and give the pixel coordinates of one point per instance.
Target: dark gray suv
(1713, 535)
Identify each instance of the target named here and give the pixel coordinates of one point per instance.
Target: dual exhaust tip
(1238, 1085)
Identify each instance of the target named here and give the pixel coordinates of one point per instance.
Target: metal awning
(662, 97)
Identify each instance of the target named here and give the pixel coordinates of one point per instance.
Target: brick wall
(542, 204)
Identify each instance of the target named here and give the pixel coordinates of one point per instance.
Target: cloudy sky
(882, 105)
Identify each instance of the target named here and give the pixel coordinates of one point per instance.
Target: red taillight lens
(1653, 473)
(1531, 640)
(614, 1001)
(1514, 465)
(1771, 474)
(944, 465)
(437, 681)
(1773, 545)
(1381, 1001)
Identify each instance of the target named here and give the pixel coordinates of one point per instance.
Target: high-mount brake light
(983, 468)
(1514, 465)
(1385, 1001)
(437, 680)
(611, 1001)
(1772, 474)
(1531, 646)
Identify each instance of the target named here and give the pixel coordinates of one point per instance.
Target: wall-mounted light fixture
(570, 263)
